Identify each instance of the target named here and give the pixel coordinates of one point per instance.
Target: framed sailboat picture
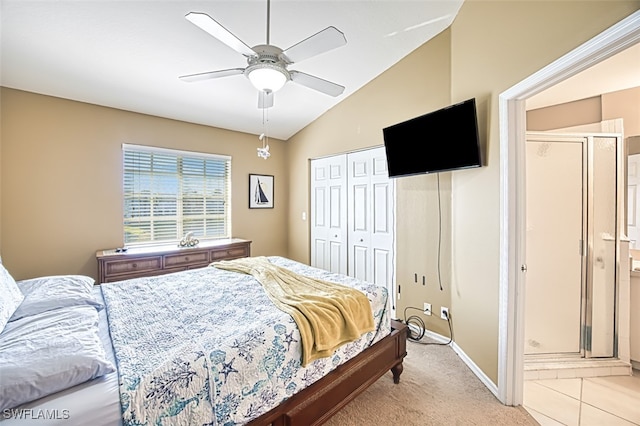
(260, 191)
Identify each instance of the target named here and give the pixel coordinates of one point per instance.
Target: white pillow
(10, 296)
(49, 352)
(53, 292)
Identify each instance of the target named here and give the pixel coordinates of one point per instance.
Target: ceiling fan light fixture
(267, 77)
(267, 64)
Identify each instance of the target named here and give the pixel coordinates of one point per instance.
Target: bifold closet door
(370, 217)
(352, 217)
(329, 213)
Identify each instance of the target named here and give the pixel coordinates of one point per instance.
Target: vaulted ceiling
(129, 54)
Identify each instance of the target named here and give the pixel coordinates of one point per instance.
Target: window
(168, 193)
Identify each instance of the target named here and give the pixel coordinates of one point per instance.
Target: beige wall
(496, 44)
(623, 104)
(633, 145)
(569, 114)
(62, 180)
(416, 85)
(491, 46)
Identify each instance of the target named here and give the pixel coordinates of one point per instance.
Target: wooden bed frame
(317, 403)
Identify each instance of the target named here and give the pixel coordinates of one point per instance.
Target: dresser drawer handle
(186, 258)
(134, 265)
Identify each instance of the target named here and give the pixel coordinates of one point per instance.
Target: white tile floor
(597, 401)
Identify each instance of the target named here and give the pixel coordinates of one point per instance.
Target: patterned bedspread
(207, 346)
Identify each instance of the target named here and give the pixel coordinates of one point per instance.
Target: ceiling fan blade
(316, 83)
(265, 99)
(210, 25)
(323, 41)
(211, 74)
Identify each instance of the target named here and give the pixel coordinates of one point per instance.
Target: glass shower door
(556, 275)
(575, 188)
(604, 240)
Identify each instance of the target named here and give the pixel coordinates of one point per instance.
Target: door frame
(512, 123)
(636, 200)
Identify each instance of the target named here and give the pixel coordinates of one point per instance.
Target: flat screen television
(442, 140)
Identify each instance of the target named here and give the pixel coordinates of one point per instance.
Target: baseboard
(493, 388)
(435, 336)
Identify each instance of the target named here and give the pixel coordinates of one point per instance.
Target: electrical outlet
(444, 313)
(427, 309)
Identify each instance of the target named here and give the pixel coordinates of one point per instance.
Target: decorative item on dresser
(119, 264)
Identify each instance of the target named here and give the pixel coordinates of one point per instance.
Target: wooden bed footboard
(317, 403)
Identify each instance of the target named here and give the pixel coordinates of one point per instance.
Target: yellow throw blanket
(327, 314)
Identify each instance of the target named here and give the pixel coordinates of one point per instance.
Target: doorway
(619, 37)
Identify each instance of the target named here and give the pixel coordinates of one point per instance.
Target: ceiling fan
(267, 65)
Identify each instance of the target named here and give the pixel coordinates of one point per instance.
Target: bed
(189, 349)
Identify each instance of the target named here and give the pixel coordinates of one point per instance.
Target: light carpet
(436, 388)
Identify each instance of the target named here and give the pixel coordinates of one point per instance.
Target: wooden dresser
(148, 261)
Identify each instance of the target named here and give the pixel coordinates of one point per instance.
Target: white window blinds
(168, 193)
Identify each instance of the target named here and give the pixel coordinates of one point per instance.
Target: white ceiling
(129, 54)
